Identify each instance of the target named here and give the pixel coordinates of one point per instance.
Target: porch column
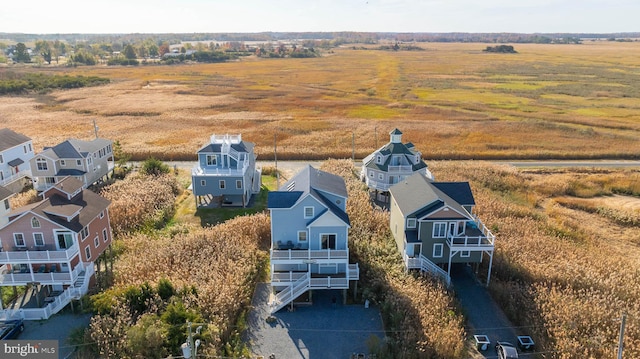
(490, 263)
(449, 265)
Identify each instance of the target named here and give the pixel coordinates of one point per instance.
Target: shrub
(154, 167)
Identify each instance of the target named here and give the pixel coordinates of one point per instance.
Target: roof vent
(291, 186)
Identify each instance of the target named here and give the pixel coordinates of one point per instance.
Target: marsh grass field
(453, 101)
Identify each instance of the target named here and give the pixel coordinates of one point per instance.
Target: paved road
(57, 328)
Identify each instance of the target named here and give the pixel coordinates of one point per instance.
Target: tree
(154, 167)
(44, 49)
(130, 52)
(153, 50)
(164, 49)
(20, 54)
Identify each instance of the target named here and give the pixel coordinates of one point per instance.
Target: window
(38, 239)
(411, 223)
(238, 184)
(380, 176)
(212, 160)
(63, 163)
(30, 149)
(18, 238)
(308, 212)
(379, 159)
(437, 250)
(101, 214)
(35, 223)
(41, 164)
(65, 240)
(371, 174)
(87, 252)
(223, 185)
(465, 254)
(96, 241)
(1, 159)
(24, 148)
(50, 180)
(302, 236)
(439, 230)
(104, 235)
(84, 233)
(6, 204)
(328, 241)
(78, 162)
(89, 160)
(203, 183)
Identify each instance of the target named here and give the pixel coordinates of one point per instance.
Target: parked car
(10, 329)
(506, 350)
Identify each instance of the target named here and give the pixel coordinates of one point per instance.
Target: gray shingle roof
(458, 191)
(282, 199)
(5, 193)
(10, 138)
(76, 149)
(418, 196)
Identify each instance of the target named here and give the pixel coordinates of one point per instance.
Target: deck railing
(7, 278)
(306, 254)
(484, 240)
(44, 256)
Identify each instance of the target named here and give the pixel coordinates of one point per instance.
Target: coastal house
(434, 226)
(391, 164)
(51, 246)
(16, 150)
(5, 205)
(88, 161)
(226, 173)
(309, 237)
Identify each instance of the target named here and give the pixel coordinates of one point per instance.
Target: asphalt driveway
(484, 316)
(322, 330)
(58, 327)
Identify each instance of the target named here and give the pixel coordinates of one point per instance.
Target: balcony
(221, 171)
(294, 256)
(48, 254)
(475, 237)
(15, 177)
(11, 278)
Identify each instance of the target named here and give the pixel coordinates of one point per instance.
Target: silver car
(506, 350)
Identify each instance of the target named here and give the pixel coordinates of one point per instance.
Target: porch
(476, 236)
(302, 254)
(43, 254)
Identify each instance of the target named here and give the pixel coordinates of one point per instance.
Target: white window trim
(41, 164)
(435, 234)
(63, 163)
(35, 220)
(15, 240)
(87, 252)
(438, 247)
(213, 161)
(329, 234)
(96, 242)
(105, 236)
(238, 184)
(465, 254)
(305, 212)
(411, 223)
(380, 176)
(203, 183)
(222, 184)
(36, 242)
(79, 163)
(305, 236)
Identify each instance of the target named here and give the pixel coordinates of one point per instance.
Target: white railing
(426, 265)
(286, 277)
(220, 171)
(28, 257)
(15, 177)
(42, 278)
(354, 271)
(480, 242)
(226, 138)
(329, 282)
(306, 254)
(381, 186)
(400, 169)
(290, 293)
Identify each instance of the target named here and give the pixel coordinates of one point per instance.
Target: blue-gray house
(226, 173)
(309, 236)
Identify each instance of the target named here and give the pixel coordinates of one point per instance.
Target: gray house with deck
(434, 226)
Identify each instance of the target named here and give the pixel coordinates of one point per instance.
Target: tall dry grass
(565, 276)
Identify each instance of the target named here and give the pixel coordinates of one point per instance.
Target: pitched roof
(316, 183)
(77, 149)
(10, 138)
(418, 196)
(5, 193)
(86, 204)
(395, 132)
(394, 148)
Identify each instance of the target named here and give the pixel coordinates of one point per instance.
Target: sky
(189, 16)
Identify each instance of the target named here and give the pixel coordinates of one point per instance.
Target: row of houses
(53, 244)
(50, 247)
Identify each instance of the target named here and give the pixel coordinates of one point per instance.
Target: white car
(506, 350)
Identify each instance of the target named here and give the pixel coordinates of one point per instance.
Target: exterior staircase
(286, 296)
(425, 265)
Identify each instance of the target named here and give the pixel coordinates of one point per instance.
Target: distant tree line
(13, 83)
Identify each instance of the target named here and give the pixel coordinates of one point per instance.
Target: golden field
(452, 100)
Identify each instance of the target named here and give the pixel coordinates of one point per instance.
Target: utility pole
(275, 158)
(353, 145)
(95, 127)
(621, 339)
(375, 134)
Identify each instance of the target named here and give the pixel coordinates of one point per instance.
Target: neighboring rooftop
(73, 148)
(10, 138)
(417, 194)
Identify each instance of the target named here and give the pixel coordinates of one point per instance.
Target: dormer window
(78, 162)
(411, 223)
(35, 223)
(212, 160)
(378, 159)
(63, 163)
